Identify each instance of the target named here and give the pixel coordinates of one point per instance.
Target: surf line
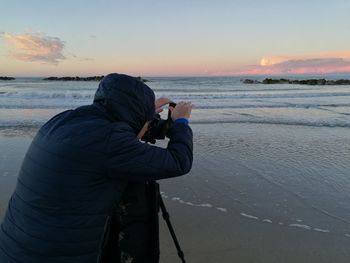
(179, 200)
(298, 225)
(253, 217)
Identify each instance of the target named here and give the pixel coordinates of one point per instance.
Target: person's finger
(162, 101)
(187, 104)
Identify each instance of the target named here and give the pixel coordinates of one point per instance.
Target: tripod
(166, 217)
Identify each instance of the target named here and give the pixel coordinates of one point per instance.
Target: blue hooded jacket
(76, 170)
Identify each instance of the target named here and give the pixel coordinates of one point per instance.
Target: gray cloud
(80, 58)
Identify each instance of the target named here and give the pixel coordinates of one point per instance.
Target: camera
(158, 127)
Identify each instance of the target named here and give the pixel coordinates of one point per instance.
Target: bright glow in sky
(182, 37)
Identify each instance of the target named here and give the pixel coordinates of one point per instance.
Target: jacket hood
(127, 99)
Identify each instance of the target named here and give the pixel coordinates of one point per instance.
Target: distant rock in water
(275, 81)
(7, 78)
(93, 78)
(142, 79)
(299, 82)
(250, 81)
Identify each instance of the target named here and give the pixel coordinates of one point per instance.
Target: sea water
(31, 101)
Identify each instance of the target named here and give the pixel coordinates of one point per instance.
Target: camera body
(158, 127)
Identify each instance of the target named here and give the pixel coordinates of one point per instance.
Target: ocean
(271, 173)
(31, 101)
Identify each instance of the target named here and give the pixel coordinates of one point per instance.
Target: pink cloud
(34, 47)
(285, 66)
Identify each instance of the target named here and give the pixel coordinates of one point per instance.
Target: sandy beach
(256, 193)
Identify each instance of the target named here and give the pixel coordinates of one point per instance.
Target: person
(80, 170)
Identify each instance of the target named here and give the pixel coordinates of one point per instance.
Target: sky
(174, 38)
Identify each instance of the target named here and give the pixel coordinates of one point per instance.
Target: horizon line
(180, 75)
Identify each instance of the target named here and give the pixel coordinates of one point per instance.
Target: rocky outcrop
(275, 81)
(250, 81)
(93, 78)
(299, 82)
(7, 78)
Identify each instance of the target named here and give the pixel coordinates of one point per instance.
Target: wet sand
(263, 193)
(229, 232)
(256, 193)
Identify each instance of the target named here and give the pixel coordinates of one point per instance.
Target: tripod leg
(166, 217)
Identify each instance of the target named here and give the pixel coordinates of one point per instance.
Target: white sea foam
(205, 205)
(267, 221)
(249, 216)
(179, 200)
(301, 226)
(321, 230)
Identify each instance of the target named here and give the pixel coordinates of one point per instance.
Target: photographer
(83, 190)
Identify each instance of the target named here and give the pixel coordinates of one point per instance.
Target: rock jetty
(93, 78)
(7, 78)
(299, 82)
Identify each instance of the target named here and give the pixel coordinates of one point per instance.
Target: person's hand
(181, 110)
(160, 102)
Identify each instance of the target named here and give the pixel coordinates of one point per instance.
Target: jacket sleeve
(131, 160)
